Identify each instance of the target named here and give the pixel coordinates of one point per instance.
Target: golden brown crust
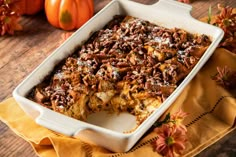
(130, 65)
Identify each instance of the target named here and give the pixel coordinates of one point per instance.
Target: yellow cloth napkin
(212, 115)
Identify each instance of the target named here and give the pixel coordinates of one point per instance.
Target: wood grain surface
(21, 53)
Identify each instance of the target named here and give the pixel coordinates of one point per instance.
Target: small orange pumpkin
(29, 7)
(68, 14)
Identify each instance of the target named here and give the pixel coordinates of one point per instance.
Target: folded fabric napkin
(211, 108)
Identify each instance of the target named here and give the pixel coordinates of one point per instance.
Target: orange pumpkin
(68, 14)
(29, 7)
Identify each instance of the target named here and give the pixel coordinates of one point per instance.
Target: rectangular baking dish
(167, 13)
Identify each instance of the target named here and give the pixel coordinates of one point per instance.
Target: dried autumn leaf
(65, 36)
(9, 19)
(184, 1)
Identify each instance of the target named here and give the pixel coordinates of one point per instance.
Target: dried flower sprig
(170, 141)
(171, 134)
(209, 15)
(9, 18)
(226, 20)
(166, 120)
(177, 119)
(225, 77)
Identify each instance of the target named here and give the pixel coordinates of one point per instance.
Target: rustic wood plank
(13, 146)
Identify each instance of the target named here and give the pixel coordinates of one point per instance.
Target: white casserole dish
(167, 13)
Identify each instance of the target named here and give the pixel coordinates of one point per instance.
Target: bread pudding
(130, 65)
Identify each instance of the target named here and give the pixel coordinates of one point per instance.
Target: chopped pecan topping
(130, 65)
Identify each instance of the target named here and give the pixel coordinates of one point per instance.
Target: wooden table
(21, 53)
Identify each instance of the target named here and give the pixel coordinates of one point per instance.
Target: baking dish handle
(175, 6)
(61, 124)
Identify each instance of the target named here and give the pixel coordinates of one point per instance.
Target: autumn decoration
(184, 1)
(226, 20)
(28, 7)
(64, 14)
(9, 18)
(171, 134)
(64, 36)
(68, 14)
(225, 77)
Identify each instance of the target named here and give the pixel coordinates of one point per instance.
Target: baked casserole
(131, 65)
